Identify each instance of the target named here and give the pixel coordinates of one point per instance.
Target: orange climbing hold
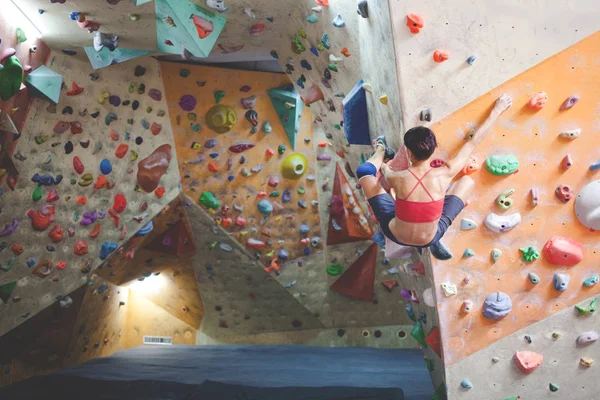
(528, 361)
(121, 150)
(81, 200)
(269, 152)
(75, 90)
(101, 182)
(212, 167)
(345, 52)
(115, 217)
(17, 249)
(273, 266)
(324, 3)
(472, 166)
(439, 56)
(538, 101)
(227, 222)
(414, 22)
(390, 285)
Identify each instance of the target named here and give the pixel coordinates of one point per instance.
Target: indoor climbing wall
(93, 170)
(236, 169)
(504, 38)
(525, 247)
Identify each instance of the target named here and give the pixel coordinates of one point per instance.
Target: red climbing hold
(269, 152)
(563, 251)
(212, 167)
(324, 3)
(359, 280)
(156, 128)
(81, 248)
(538, 101)
(75, 90)
(239, 221)
(115, 217)
(434, 341)
(76, 127)
(417, 267)
(528, 361)
(11, 181)
(120, 203)
(78, 165)
(96, 231)
(255, 244)
(153, 167)
(17, 249)
(56, 234)
(61, 265)
(415, 22)
(121, 150)
(390, 285)
(439, 56)
(81, 200)
(160, 192)
(52, 196)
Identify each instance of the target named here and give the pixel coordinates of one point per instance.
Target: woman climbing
(420, 207)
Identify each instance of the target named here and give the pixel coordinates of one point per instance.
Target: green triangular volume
(6, 290)
(290, 114)
(45, 82)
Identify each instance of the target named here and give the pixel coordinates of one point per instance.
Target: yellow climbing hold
(103, 97)
(134, 155)
(384, 99)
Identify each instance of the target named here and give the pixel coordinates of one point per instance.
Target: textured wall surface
(507, 37)
(533, 137)
(54, 156)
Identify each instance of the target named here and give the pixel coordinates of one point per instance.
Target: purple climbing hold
(167, 241)
(326, 83)
(155, 94)
(324, 157)
(9, 229)
(89, 218)
(286, 196)
(240, 147)
(569, 102)
(209, 144)
(187, 102)
(245, 89)
(114, 101)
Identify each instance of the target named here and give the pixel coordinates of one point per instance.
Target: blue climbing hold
(304, 229)
(274, 54)
(214, 155)
(106, 249)
(102, 289)
(314, 51)
(306, 251)
(304, 64)
(471, 59)
(265, 207)
(105, 167)
(74, 15)
(300, 83)
(283, 254)
(209, 144)
(31, 262)
(230, 178)
(286, 196)
(379, 238)
(146, 229)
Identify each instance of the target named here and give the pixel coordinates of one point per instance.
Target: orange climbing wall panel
(533, 137)
(196, 178)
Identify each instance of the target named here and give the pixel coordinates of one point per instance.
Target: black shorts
(384, 208)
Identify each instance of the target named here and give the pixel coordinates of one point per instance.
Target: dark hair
(421, 142)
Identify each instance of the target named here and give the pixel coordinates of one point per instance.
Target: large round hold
(221, 118)
(105, 167)
(497, 305)
(265, 207)
(293, 166)
(587, 205)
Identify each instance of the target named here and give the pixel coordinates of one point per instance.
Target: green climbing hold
(502, 165)
(320, 47)
(6, 290)
(418, 333)
(555, 335)
(274, 194)
(267, 127)
(430, 365)
(281, 149)
(553, 387)
(590, 309)
(301, 190)
(440, 393)
(219, 95)
(209, 200)
(21, 37)
(298, 43)
(332, 67)
(132, 87)
(8, 265)
(530, 254)
(468, 253)
(11, 77)
(335, 269)
(39, 139)
(37, 193)
(338, 127)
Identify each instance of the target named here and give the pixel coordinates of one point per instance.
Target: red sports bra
(419, 211)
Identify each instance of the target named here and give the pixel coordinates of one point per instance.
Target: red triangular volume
(433, 340)
(345, 226)
(359, 280)
(175, 241)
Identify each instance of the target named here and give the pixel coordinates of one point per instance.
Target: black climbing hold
(68, 147)
(139, 71)
(377, 333)
(139, 140)
(50, 248)
(341, 332)
(135, 105)
(329, 136)
(126, 102)
(69, 52)
(95, 115)
(218, 308)
(67, 110)
(296, 323)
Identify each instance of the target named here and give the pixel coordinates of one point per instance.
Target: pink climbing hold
(567, 162)
(528, 361)
(538, 101)
(563, 251)
(257, 30)
(156, 128)
(78, 165)
(241, 147)
(61, 127)
(564, 193)
(52, 196)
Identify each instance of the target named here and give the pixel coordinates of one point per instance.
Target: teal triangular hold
(288, 105)
(45, 82)
(140, 2)
(105, 57)
(6, 290)
(181, 24)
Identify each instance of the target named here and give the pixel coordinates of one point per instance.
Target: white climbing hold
(338, 21)
(496, 254)
(467, 306)
(428, 297)
(587, 205)
(249, 12)
(367, 87)
(570, 134)
(467, 224)
(587, 338)
(449, 289)
(502, 223)
(317, 9)
(495, 359)
(334, 59)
